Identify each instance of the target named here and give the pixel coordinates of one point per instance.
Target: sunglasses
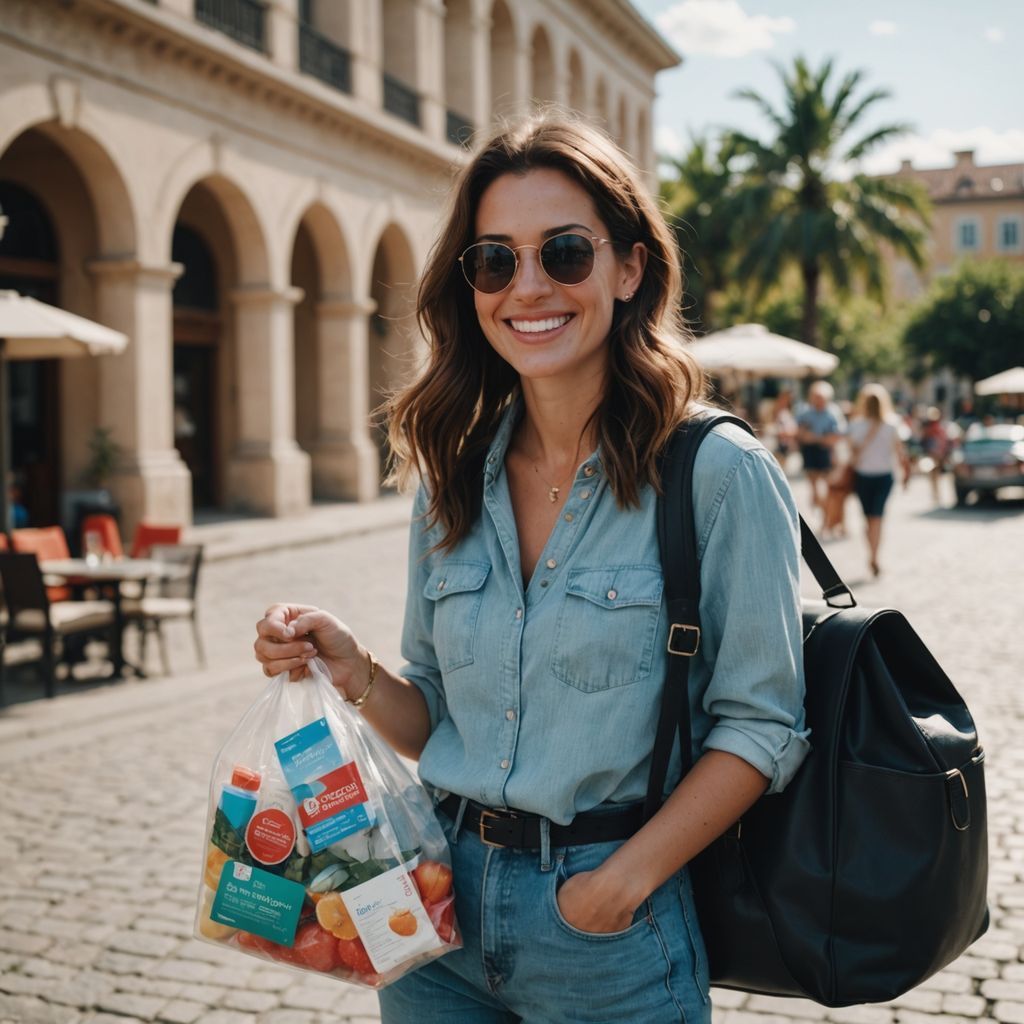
(567, 259)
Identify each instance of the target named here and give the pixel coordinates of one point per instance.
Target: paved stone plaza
(104, 791)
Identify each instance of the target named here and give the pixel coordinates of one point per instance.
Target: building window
(243, 20)
(1009, 235)
(967, 236)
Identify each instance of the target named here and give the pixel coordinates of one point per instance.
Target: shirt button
(588, 470)
(543, 583)
(505, 763)
(584, 494)
(569, 517)
(440, 585)
(519, 613)
(510, 714)
(612, 594)
(551, 563)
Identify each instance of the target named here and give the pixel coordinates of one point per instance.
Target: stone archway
(504, 98)
(393, 349)
(65, 179)
(542, 68)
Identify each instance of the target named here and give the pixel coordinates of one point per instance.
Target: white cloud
(720, 28)
(937, 148)
(667, 141)
(995, 35)
(883, 28)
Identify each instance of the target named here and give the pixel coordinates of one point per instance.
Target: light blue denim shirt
(546, 699)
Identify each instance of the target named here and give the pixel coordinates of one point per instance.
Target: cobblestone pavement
(104, 791)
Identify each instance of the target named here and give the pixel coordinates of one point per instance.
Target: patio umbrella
(1009, 382)
(30, 329)
(753, 350)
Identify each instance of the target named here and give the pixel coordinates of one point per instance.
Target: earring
(627, 296)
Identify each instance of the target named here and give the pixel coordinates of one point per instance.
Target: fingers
(295, 667)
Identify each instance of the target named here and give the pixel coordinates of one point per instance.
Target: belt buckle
(481, 824)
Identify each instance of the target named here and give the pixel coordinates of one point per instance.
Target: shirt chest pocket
(456, 590)
(607, 626)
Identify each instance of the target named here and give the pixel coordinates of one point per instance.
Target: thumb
(314, 621)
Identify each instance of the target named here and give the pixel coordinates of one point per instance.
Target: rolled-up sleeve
(421, 667)
(748, 543)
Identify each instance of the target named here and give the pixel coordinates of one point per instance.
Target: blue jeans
(523, 962)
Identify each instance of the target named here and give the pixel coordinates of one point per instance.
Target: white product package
(322, 850)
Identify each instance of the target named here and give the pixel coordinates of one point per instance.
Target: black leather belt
(522, 831)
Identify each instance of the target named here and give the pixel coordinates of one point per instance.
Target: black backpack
(868, 873)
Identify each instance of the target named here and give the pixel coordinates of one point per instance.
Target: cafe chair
(31, 615)
(170, 596)
(103, 526)
(46, 543)
(148, 534)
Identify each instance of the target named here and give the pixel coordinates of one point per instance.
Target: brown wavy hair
(442, 424)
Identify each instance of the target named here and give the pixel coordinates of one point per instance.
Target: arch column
(345, 459)
(429, 35)
(136, 389)
(267, 471)
(366, 35)
(480, 62)
(522, 75)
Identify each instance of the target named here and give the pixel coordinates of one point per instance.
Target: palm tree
(794, 210)
(696, 201)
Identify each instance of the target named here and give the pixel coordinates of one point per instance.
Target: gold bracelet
(358, 702)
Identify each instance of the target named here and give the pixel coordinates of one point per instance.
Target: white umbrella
(30, 329)
(752, 349)
(1009, 382)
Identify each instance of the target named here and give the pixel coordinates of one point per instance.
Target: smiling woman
(536, 626)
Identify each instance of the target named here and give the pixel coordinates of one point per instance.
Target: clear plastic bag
(322, 849)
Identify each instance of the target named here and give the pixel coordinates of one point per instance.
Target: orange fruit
(402, 922)
(216, 858)
(333, 915)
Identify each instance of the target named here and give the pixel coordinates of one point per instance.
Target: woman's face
(545, 330)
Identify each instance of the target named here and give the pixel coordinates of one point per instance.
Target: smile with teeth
(536, 326)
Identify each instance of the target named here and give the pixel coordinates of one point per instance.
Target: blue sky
(955, 68)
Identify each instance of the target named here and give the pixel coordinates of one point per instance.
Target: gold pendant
(553, 494)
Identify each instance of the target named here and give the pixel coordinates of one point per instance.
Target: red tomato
(352, 954)
(442, 917)
(316, 948)
(251, 941)
(434, 880)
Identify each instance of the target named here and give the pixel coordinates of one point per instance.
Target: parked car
(991, 458)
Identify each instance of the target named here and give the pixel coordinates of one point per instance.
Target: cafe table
(110, 576)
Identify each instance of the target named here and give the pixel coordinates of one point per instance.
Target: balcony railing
(323, 59)
(400, 100)
(460, 128)
(243, 20)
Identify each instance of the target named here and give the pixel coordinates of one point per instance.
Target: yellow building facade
(249, 190)
(977, 213)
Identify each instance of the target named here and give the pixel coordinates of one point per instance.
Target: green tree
(697, 204)
(794, 209)
(971, 320)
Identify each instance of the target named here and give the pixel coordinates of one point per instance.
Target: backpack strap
(677, 541)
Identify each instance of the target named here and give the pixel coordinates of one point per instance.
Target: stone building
(977, 213)
(248, 190)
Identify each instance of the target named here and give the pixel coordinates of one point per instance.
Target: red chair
(103, 525)
(148, 534)
(46, 543)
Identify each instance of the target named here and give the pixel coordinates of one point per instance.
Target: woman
(535, 628)
(875, 452)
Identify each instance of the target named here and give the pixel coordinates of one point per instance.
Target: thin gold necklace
(553, 491)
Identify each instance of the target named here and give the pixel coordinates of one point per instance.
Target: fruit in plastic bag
(342, 869)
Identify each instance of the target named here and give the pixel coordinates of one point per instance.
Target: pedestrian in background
(936, 446)
(819, 427)
(784, 426)
(876, 453)
(536, 627)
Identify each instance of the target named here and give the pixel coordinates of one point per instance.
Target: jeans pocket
(700, 957)
(641, 916)
(606, 626)
(456, 590)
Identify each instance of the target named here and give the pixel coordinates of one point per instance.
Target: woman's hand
(593, 902)
(289, 635)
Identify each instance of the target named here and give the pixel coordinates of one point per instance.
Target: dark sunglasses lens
(568, 259)
(489, 266)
